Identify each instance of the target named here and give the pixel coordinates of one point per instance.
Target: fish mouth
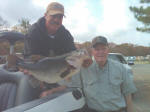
(67, 71)
(72, 64)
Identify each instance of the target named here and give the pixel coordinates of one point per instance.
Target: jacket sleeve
(69, 45)
(64, 41)
(31, 43)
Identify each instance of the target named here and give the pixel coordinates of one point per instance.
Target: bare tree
(3, 23)
(23, 25)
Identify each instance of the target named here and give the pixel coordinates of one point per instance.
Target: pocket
(91, 85)
(116, 85)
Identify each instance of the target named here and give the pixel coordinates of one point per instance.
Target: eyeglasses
(59, 16)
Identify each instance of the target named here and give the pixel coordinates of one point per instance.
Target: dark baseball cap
(99, 40)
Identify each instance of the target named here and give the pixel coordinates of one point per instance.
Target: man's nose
(57, 20)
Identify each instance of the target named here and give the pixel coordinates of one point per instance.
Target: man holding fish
(48, 37)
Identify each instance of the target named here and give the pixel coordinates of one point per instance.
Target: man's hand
(26, 72)
(87, 62)
(46, 93)
(129, 103)
(32, 58)
(51, 91)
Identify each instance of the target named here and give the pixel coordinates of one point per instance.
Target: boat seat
(15, 89)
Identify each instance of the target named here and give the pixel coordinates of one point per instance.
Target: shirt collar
(99, 68)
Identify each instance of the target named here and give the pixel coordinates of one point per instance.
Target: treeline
(131, 50)
(126, 49)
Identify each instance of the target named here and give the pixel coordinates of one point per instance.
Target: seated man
(106, 84)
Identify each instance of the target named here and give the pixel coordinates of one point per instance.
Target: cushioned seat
(15, 89)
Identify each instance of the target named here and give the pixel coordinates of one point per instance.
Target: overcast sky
(85, 19)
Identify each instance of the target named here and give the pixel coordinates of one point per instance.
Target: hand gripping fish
(55, 69)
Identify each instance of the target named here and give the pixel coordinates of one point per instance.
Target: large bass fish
(55, 69)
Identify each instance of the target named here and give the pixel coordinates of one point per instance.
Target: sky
(85, 19)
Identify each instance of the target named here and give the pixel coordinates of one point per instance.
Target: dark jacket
(38, 41)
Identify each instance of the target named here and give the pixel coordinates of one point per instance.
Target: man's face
(53, 22)
(100, 53)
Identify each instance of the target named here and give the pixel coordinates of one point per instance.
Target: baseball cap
(99, 40)
(55, 8)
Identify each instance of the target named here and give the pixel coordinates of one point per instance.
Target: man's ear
(45, 15)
